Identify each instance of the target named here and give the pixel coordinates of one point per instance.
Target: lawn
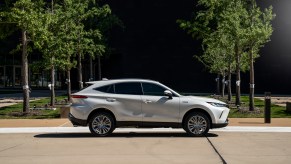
(243, 112)
(15, 111)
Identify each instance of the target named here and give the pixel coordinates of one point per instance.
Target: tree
(88, 39)
(24, 14)
(250, 29)
(105, 24)
(60, 30)
(68, 30)
(208, 24)
(232, 28)
(233, 24)
(259, 32)
(48, 42)
(67, 35)
(216, 56)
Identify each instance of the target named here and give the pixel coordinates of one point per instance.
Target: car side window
(105, 89)
(131, 88)
(153, 89)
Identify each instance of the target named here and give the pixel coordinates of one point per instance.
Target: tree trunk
(238, 80)
(223, 85)
(25, 86)
(252, 82)
(52, 72)
(52, 84)
(229, 81)
(91, 69)
(80, 76)
(99, 67)
(69, 84)
(80, 71)
(217, 85)
(251, 58)
(229, 85)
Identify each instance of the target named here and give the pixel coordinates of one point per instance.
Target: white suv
(108, 104)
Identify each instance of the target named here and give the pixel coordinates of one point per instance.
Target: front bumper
(220, 125)
(77, 122)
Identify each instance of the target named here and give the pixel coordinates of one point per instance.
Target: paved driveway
(145, 147)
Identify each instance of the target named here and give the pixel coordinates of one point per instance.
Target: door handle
(110, 99)
(147, 101)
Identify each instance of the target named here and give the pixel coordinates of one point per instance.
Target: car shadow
(120, 135)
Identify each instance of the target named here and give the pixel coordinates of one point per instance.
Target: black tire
(101, 124)
(196, 124)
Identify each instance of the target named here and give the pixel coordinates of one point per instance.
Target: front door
(156, 107)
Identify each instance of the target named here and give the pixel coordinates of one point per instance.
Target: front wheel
(196, 124)
(101, 124)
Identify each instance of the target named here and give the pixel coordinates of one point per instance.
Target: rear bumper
(221, 125)
(77, 122)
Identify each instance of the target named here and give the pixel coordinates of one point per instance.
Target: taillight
(79, 96)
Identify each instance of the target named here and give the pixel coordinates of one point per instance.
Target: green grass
(276, 111)
(15, 111)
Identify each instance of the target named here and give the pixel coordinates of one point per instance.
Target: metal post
(267, 107)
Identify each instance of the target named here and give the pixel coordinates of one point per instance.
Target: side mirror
(168, 93)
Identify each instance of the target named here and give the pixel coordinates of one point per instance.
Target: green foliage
(60, 29)
(258, 27)
(223, 24)
(218, 54)
(88, 39)
(23, 14)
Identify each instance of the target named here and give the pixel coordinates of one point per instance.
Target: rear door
(127, 100)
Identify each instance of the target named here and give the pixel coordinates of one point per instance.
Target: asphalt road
(146, 147)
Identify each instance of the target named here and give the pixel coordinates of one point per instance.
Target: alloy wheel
(197, 124)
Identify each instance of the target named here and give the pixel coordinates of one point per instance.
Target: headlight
(217, 104)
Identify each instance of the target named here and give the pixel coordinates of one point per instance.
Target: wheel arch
(197, 110)
(99, 110)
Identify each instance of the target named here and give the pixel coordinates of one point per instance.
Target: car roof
(106, 81)
(100, 83)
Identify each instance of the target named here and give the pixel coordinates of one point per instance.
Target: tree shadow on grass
(120, 135)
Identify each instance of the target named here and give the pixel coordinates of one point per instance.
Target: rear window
(105, 89)
(132, 88)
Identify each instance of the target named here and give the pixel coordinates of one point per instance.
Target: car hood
(204, 99)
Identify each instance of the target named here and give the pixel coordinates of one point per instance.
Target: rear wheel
(101, 124)
(196, 124)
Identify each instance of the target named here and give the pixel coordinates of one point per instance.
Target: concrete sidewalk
(275, 122)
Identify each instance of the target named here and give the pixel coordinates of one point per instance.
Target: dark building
(152, 46)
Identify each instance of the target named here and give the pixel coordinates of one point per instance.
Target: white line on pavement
(253, 129)
(140, 130)
(63, 125)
